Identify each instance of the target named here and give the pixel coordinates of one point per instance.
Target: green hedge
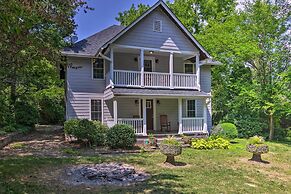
(93, 132)
(121, 136)
(226, 130)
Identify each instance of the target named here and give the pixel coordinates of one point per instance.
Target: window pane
(96, 110)
(191, 108)
(98, 68)
(189, 68)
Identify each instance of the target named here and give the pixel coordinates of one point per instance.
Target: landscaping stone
(104, 174)
(257, 150)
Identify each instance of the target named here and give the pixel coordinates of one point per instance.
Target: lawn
(207, 171)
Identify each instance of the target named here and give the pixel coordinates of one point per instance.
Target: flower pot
(257, 150)
(170, 151)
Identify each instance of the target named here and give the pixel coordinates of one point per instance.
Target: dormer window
(157, 26)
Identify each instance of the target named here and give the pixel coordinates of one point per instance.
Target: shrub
(171, 141)
(51, 105)
(26, 113)
(91, 131)
(210, 143)
(256, 140)
(121, 136)
(226, 130)
(249, 127)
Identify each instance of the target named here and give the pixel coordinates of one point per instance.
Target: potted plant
(152, 140)
(171, 148)
(257, 146)
(186, 139)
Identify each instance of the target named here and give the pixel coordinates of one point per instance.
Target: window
(157, 26)
(98, 68)
(96, 110)
(191, 108)
(189, 68)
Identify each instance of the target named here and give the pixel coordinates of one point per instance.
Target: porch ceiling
(157, 92)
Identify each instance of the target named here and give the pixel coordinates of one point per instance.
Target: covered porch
(157, 114)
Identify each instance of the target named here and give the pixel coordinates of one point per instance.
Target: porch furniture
(164, 122)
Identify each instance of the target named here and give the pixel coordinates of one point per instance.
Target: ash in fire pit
(104, 174)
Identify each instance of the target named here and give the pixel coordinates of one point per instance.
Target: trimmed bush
(121, 136)
(226, 130)
(93, 132)
(210, 143)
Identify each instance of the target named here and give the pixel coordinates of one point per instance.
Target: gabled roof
(88, 47)
(92, 45)
(172, 16)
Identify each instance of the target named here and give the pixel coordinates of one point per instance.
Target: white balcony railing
(126, 78)
(137, 124)
(190, 125)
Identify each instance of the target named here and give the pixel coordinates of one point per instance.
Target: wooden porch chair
(164, 122)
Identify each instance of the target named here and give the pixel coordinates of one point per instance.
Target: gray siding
(168, 107)
(171, 37)
(205, 78)
(125, 61)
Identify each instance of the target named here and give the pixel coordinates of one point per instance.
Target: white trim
(161, 25)
(92, 69)
(173, 17)
(115, 109)
(102, 108)
(180, 115)
(144, 116)
(186, 114)
(78, 55)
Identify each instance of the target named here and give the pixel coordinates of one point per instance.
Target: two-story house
(152, 75)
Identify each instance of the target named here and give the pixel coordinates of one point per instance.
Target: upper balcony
(149, 68)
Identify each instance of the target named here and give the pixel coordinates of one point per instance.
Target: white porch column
(198, 71)
(205, 116)
(115, 111)
(111, 67)
(171, 69)
(142, 67)
(144, 116)
(155, 113)
(180, 115)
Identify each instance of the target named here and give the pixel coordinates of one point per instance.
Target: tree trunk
(271, 127)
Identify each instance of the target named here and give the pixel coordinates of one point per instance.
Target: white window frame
(187, 108)
(189, 62)
(161, 25)
(102, 107)
(92, 70)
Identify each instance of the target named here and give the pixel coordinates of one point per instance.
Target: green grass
(207, 171)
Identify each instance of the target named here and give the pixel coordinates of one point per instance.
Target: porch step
(161, 137)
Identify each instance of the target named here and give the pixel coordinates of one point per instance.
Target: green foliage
(256, 140)
(226, 130)
(210, 143)
(127, 17)
(120, 136)
(51, 105)
(249, 127)
(26, 113)
(171, 141)
(93, 132)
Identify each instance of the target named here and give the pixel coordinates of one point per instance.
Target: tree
(127, 17)
(32, 33)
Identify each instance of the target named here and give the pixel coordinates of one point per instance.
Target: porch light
(151, 52)
(136, 102)
(158, 102)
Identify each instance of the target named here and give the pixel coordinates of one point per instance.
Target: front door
(149, 112)
(148, 65)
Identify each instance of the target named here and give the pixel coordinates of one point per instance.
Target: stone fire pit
(104, 174)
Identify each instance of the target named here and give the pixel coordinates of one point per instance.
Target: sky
(103, 15)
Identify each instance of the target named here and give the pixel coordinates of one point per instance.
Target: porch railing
(136, 123)
(154, 79)
(185, 80)
(190, 125)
